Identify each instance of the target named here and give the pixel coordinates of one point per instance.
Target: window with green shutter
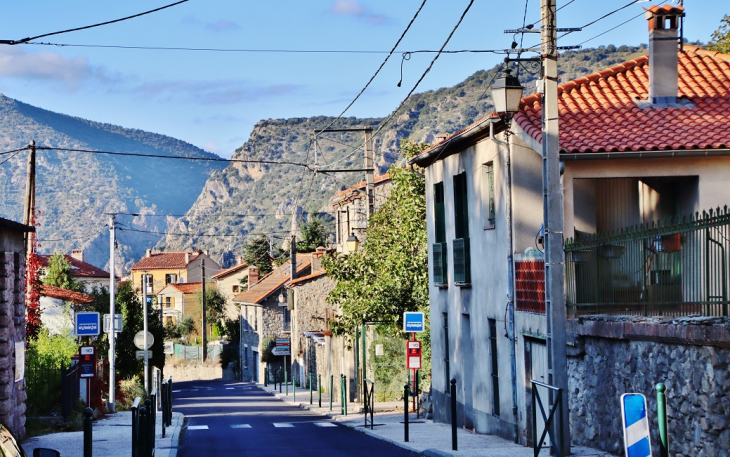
(440, 264)
(462, 259)
(490, 208)
(440, 247)
(439, 212)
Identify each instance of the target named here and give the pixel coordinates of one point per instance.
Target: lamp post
(352, 243)
(507, 93)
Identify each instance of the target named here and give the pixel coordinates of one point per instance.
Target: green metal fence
(672, 268)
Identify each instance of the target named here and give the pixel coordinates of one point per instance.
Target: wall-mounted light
(352, 243)
(507, 93)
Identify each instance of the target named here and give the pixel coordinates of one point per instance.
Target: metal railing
(672, 268)
(549, 419)
(369, 401)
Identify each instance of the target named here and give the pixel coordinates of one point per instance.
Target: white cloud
(213, 92)
(354, 8)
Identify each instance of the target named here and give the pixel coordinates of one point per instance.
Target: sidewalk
(425, 436)
(112, 437)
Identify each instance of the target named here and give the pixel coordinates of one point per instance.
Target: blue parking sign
(413, 322)
(87, 324)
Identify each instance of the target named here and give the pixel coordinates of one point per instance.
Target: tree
(59, 273)
(390, 274)
(256, 253)
(721, 37)
(314, 235)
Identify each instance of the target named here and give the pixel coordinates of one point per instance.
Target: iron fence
(670, 268)
(43, 387)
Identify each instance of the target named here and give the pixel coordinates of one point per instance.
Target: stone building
(12, 325)
(232, 281)
(351, 212)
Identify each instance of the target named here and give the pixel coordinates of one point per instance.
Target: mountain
(246, 198)
(75, 189)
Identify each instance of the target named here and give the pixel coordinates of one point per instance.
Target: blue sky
(213, 99)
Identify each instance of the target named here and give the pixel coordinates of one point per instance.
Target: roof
(79, 268)
(165, 261)
(316, 274)
(600, 113)
(229, 271)
(273, 281)
(188, 287)
(65, 294)
(361, 185)
(16, 226)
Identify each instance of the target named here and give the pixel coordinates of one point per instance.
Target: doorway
(537, 369)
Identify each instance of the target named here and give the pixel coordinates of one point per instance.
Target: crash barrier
(368, 387)
(549, 418)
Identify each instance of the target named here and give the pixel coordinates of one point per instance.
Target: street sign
(87, 324)
(139, 340)
(413, 322)
(281, 350)
(635, 425)
(140, 354)
(169, 347)
(413, 355)
(87, 361)
(118, 323)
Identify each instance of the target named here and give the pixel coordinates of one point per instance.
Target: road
(227, 418)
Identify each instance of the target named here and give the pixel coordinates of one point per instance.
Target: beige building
(232, 281)
(162, 268)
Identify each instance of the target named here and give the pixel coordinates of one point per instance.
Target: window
(147, 284)
(446, 353)
(169, 302)
(489, 210)
(170, 278)
(287, 319)
(495, 365)
(462, 260)
(235, 288)
(440, 248)
(245, 357)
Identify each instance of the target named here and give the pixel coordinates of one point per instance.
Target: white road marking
(229, 388)
(283, 424)
(197, 427)
(193, 390)
(240, 426)
(176, 391)
(325, 424)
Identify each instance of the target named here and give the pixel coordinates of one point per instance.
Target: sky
(213, 99)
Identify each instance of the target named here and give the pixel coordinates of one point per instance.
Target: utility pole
(370, 173)
(144, 329)
(205, 338)
(293, 257)
(553, 223)
(29, 195)
(112, 329)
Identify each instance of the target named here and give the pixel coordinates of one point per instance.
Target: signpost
(87, 368)
(140, 354)
(281, 350)
(139, 340)
(413, 322)
(635, 425)
(87, 324)
(413, 355)
(118, 323)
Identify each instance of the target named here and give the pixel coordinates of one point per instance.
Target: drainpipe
(510, 275)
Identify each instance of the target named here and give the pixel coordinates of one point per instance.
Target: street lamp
(282, 299)
(507, 93)
(352, 242)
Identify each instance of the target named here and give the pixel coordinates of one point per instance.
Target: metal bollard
(266, 376)
(88, 412)
(286, 381)
(294, 386)
(143, 430)
(418, 396)
(163, 398)
(453, 415)
(406, 394)
(332, 380)
(310, 388)
(661, 407)
(319, 389)
(150, 426)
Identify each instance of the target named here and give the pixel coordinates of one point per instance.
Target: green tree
(721, 37)
(390, 274)
(59, 273)
(256, 253)
(314, 235)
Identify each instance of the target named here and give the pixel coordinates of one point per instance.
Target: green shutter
(461, 208)
(440, 264)
(439, 212)
(490, 187)
(462, 261)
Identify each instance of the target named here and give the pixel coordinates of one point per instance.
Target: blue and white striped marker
(636, 425)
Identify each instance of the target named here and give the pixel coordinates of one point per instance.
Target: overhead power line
(25, 40)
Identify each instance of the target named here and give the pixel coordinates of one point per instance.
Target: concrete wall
(193, 371)
(250, 326)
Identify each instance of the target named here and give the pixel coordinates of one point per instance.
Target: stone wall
(691, 356)
(193, 371)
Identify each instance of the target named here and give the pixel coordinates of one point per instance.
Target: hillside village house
(181, 300)
(83, 273)
(162, 268)
(640, 142)
(232, 281)
(351, 211)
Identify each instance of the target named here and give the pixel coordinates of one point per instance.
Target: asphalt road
(226, 418)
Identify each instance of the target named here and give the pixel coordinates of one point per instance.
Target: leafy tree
(51, 350)
(721, 37)
(314, 235)
(59, 273)
(256, 253)
(390, 274)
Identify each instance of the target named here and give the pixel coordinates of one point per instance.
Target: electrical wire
(206, 235)
(617, 26)
(10, 157)
(74, 239)
(14, 150)
(25, 40)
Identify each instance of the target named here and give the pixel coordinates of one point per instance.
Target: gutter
(672, 153)
(475, 131)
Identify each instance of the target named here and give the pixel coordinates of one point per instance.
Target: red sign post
(87, 368)
(413, 362)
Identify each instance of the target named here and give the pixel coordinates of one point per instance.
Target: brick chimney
(317, 259)
(663, 49)
(187, 259)
(239, 259)
(253, 275)
(149, 253)
(439, 137)
(78, 254)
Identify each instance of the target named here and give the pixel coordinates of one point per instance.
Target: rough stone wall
(310, 304)
(696, 377)
(12, 330)
(272, 321)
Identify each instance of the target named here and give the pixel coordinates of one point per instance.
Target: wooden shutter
(439, 212)
(462, 261)
(440, 264)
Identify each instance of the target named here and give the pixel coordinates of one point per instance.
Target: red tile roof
(273, 281)
(188, 287)
(165, 261)
(361, 185)
(65, 294)
(228, 271)
(78, 268)
(599, 113)
(316, 274)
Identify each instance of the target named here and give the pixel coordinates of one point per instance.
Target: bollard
(169, 402)
(344, 392)
(88, 412)
(332, 380)
(163, 398)
(278, 378)
(406, 394)
(418, 396)
(342, 395)
(150, 427)
(661, 407)
(135, 425)
(453, 415)
(286, 381)
(294, 386)
(310, 388)
(142, 433)
(266, 376)
(319, 389)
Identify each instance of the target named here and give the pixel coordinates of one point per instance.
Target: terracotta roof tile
(78, 268)
(188, 287)
(361, 185)
(65, 294)
(316, 274)
(228, 271)
(273, 281)
(165, 260)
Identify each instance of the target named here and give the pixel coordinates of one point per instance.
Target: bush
(127, 391)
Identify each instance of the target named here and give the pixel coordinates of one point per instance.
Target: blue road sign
(636, 425)
(87, 324)
(413, 322)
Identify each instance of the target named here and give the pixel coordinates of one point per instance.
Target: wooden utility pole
(205, 338)
(370, 173)
(553, 224)
(29, 195)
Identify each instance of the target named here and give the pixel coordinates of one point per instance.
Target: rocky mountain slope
(245, 199)
(74, 189)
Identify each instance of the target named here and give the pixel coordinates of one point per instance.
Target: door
(539, 372)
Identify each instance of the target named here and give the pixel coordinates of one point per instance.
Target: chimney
(77, 254)
(439, 137)
(149, 253)
(239, 259)
(253, 276)
(317, 259)
(663, 52)
(207, 252)
(187, 258)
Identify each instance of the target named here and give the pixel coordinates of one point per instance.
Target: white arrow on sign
(281, 350)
